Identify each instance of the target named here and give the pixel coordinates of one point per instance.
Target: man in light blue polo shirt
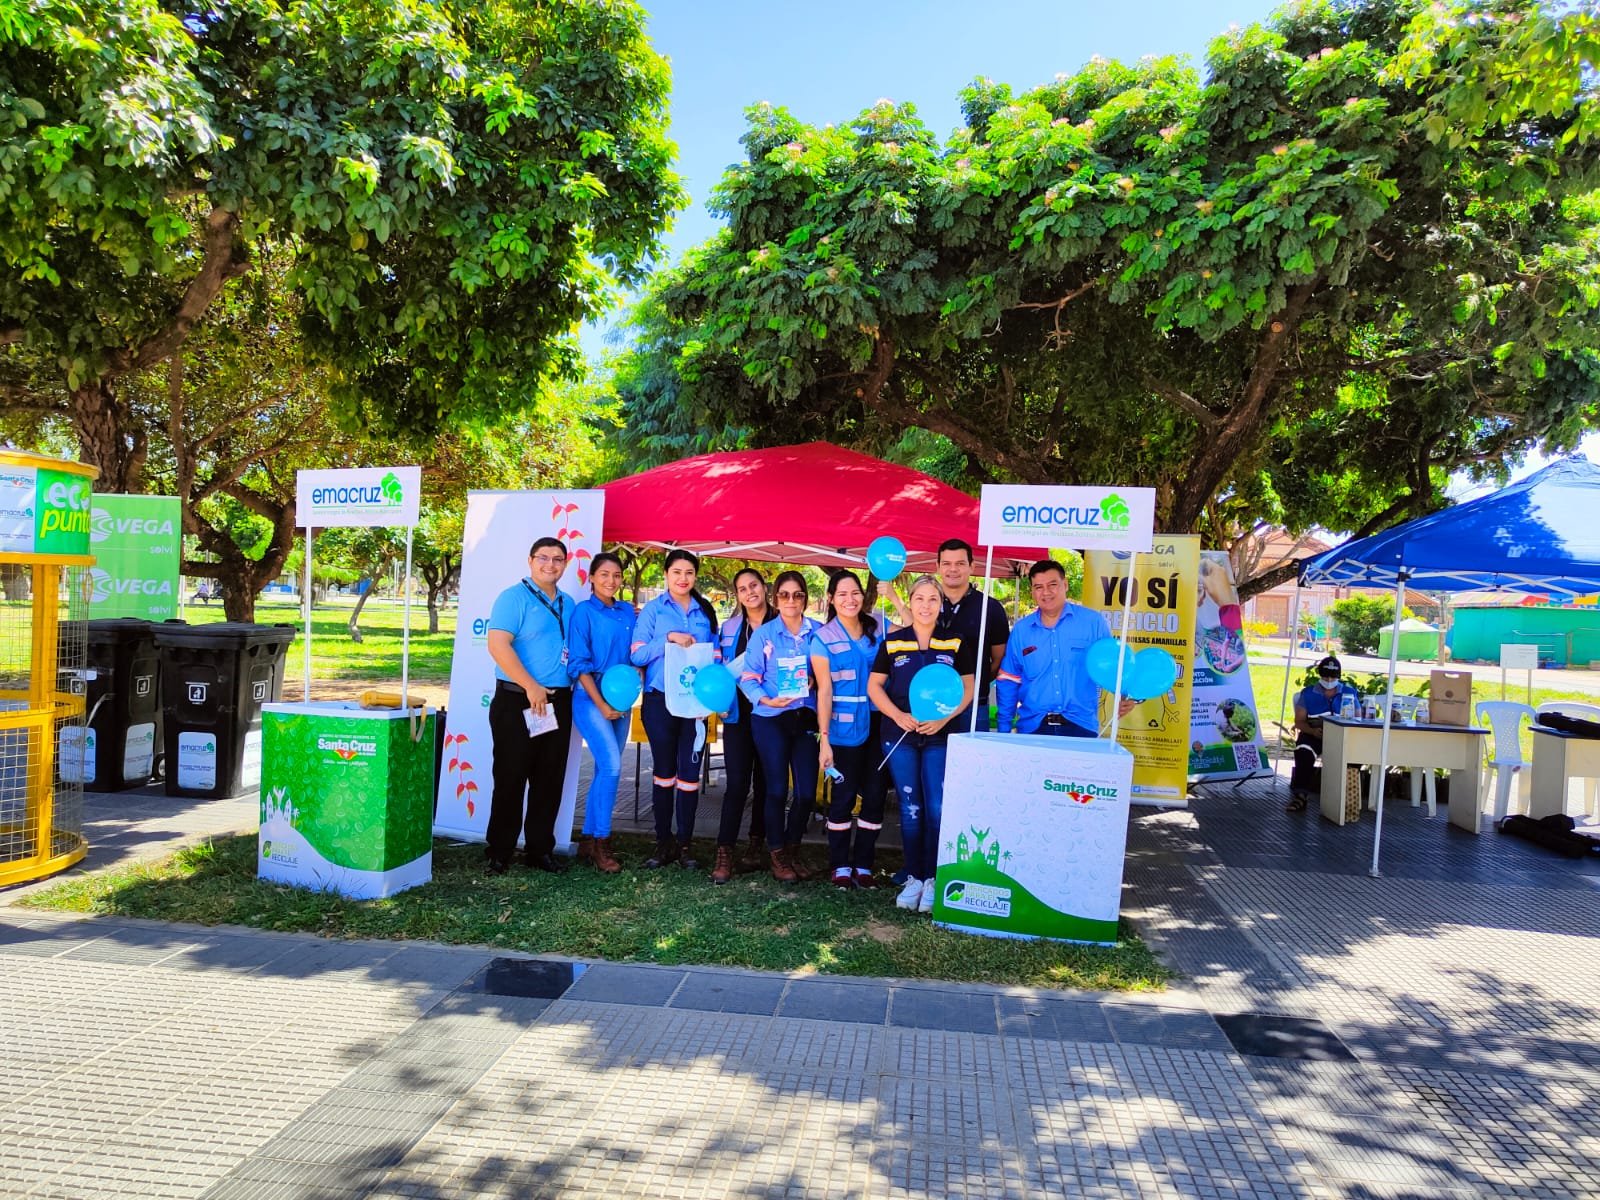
(1042, 686)
(528, 642)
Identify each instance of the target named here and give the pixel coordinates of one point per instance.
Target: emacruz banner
(1079, 518)
(137, 543)
(1164, 582)
(358, 496)
(500, 528)
(1225, 729)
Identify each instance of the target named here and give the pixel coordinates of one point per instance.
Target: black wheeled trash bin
(214, 680)
(123, 698)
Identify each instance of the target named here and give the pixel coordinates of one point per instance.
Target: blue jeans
(605, 740)
(786, 749)
(918, 774)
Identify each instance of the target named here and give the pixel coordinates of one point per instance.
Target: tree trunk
(361, 602)
(104, 440)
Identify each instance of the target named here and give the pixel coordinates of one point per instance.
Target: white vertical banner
(500, 527)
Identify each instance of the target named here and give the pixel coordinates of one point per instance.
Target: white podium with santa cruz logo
(1033, 836)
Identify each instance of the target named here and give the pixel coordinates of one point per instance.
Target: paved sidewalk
(1433, 1033)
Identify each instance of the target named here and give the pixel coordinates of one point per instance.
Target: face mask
(1331, 685)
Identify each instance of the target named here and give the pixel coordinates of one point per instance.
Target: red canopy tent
(814, 504)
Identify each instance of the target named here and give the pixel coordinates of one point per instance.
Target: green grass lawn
(335, 656)
(668, 916)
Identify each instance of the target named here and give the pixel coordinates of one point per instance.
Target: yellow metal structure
(43, 646)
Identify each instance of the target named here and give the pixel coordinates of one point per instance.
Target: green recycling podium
(346, 798)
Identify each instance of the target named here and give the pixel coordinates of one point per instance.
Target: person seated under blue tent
(1314, 702)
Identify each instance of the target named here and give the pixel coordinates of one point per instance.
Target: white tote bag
(682, 664)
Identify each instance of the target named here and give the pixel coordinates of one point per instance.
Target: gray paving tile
(610, 983)
(1165, 1027)
(708, 991)
(821, 1000)
(1057, 1020)
(923, 1008)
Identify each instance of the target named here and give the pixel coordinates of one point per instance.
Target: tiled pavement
(1428, 1034)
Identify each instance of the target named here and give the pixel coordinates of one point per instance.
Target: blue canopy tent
(1541, 534)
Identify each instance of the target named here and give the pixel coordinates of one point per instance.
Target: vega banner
(1162, 614)
(1034, 834)
(500, 527)
(137, 543)
(358, 496)
(1082, 518)
(1225, 729)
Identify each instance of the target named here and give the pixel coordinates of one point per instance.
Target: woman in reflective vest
(916, 749)
(841, 659)
(681, 616)
(783, 714)
(738, 745)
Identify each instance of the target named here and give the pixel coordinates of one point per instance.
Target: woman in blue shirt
(783, 714)
(842, 653)
(738, 746)
(683, 617)
(601, 637)
(916, 749)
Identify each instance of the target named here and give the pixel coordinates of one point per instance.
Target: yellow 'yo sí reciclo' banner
(1164, 589)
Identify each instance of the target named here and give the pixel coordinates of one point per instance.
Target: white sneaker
(925, 901)
(910, 895)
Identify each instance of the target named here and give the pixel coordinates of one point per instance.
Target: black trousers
(531, 767)
(745, 776)
(1307, 749)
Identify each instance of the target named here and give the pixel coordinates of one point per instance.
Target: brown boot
(781, 870)
(586, 849)
(604, 860)
(666, 854)
(796, 864)
(755, 854)
(686, 858)
(723, 871)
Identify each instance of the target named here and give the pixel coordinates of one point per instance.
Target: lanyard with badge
(555, 610)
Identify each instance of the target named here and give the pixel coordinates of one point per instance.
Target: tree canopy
(457, 186)
(1356, 255)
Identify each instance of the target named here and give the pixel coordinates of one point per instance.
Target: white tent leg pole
(979, 695)
(405, 628)
(1288, 671)
(305, 694)
(1122, 651)
(1388, 717)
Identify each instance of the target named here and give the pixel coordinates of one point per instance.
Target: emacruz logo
(349, 748)
(1079, 793)
(386, 493)
(1112, 514)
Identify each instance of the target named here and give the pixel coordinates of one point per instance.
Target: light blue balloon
(935, 692)
(1100, 660)
(886, 557)
(1152, 672)
(714, 687)
(620, 686)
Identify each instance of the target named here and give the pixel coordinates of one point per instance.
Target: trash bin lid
(223, 635)
(107, 629)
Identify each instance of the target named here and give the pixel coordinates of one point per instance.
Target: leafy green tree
(458, 186)
(1359, 618)
(1357, 256)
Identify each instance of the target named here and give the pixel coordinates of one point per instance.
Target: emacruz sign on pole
(1160, 613)
(1225, 729)
(500, 528)
(358, 496)
(137, 543)
(1082, 518)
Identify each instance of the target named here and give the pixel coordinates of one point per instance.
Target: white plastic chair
(1505, 756)
(1585, 712)
(1423, 782)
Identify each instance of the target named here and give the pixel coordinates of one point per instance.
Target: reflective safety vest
(848, 668)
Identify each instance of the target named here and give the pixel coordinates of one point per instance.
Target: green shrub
(1359, 618)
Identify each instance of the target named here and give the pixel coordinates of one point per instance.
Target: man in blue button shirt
(528, 642)
(1042, 686)
(1315, 701)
